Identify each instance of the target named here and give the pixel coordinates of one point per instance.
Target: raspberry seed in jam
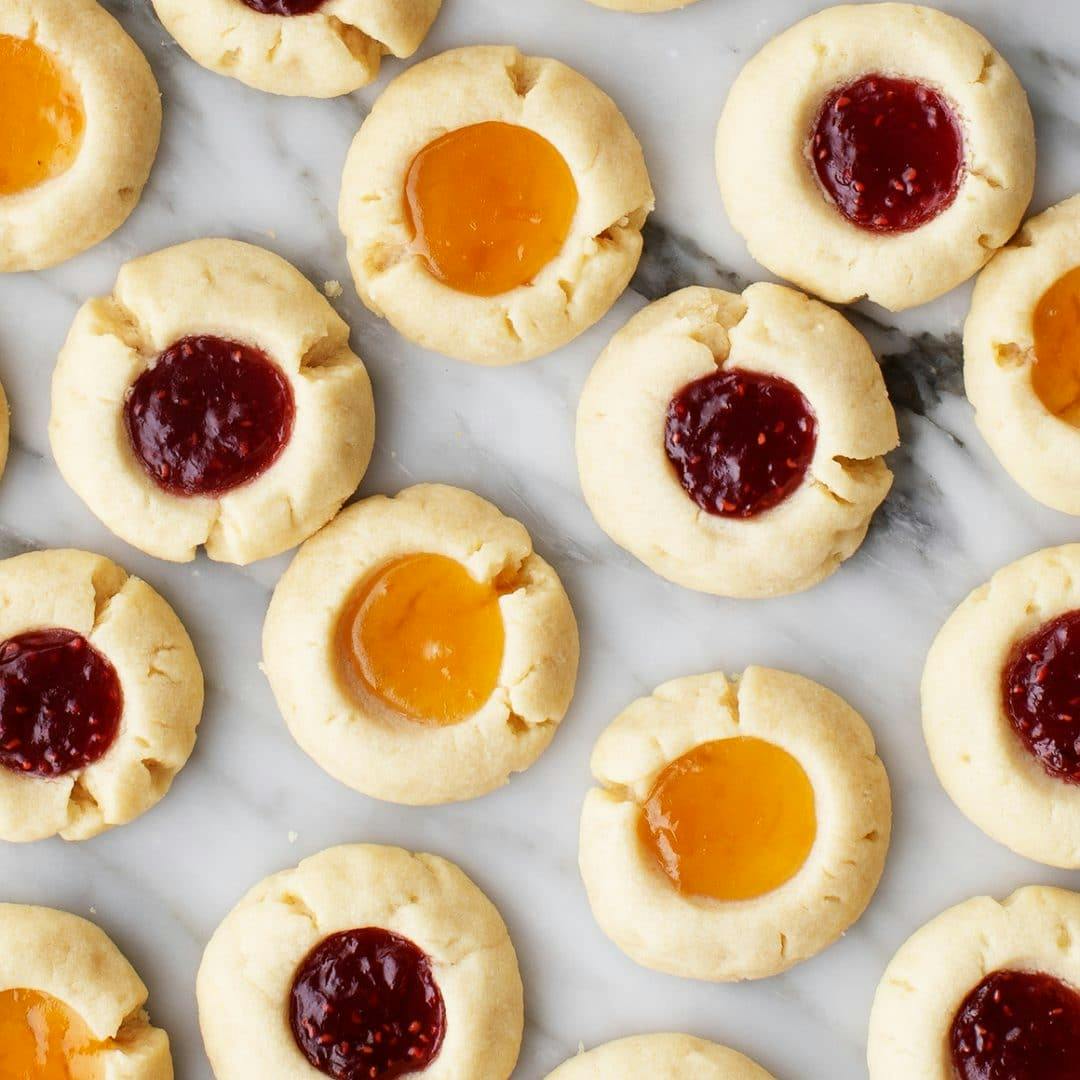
(1017, 1025)
(209, 416)
(889, 153)
(60, 703)
(364, 1003)
(740, 441)
(1041, 690)
(284, 7)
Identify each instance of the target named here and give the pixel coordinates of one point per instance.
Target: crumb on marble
(332, 289)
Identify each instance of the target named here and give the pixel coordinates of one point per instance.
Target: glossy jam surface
(1041, 690)
(425, 637)
(889, 152)
(1055, 375)
(1017, 1025)
(209, 416)
(41, 116)
(740, 441)
(60, 703)
(364, 1005)
(284, 7)
(490, 206)
(731, 819)
(42, 1039)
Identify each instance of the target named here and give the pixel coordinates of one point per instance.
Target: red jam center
(1041, 687)
(890, 153)
(284, 7)
(740, 441)
(209, 416)
(1017, 1025)
(60, 703)
(364, 1004)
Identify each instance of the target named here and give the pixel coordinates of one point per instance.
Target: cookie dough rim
(623, 1057)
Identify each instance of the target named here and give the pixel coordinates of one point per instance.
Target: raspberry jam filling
(41, 1038)
(60, 703)
(1017, 1025)
(285, 7)
(489, 205)
(424, 637)
(209, 416)
(1055, 375)
(731, 820)
(364, 1004)
(741, 442)
(889, 153)
(1041, 688)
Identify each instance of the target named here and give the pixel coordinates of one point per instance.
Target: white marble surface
(238, 163)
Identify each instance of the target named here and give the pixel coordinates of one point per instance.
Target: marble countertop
(238, 163)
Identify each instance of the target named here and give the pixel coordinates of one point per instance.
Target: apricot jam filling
(889, 153)
(489, 206)
(60, 703)
(424, 637)
(364, 1003)
(1017, 1025)
(1055, 374)
(740, 442)
(285, 7)
(1041, 692)
(730, 820)
(209, 416)
(41, 116)
(41, 1038)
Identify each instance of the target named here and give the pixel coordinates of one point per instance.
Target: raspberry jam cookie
(71, 1006)
(303, 48)
(79, 129)
(1022, 357)
(493, 205)
(1000, 706)
(418, 648)
(734, 443)
(659, 1057)
(878, 150)
(988, 990)
(211, 399)
(740, 825)
(100, 696)
(363, 961)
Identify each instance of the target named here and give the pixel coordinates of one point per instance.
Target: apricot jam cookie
(419, 649)
(363, 961)
(878, 150)
(740, 825)
(987, 990)
(211, 399)
(1000, 706)
(100, 696)
(660, 1057)
(493, 204)
(734, 443)
(79, 129)
(71, 1006)
(1022, 356)
(303, 48)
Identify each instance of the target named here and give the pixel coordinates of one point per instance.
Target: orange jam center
(731, 819)
(1055, 374)
(490, 205)
(424, 637)
(42, 1039)
(41, 117)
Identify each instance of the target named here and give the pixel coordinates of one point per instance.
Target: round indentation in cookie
(1055, 373)
(41, 1037)
(731, 819)
(60, 703)
(425, 637)
(889, 152)
(209, 415)
(284, 7)
(1041, 691)
(365, 1003)
(489, 205)
(1016, 1025)
(740, 441)
(42, 121)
